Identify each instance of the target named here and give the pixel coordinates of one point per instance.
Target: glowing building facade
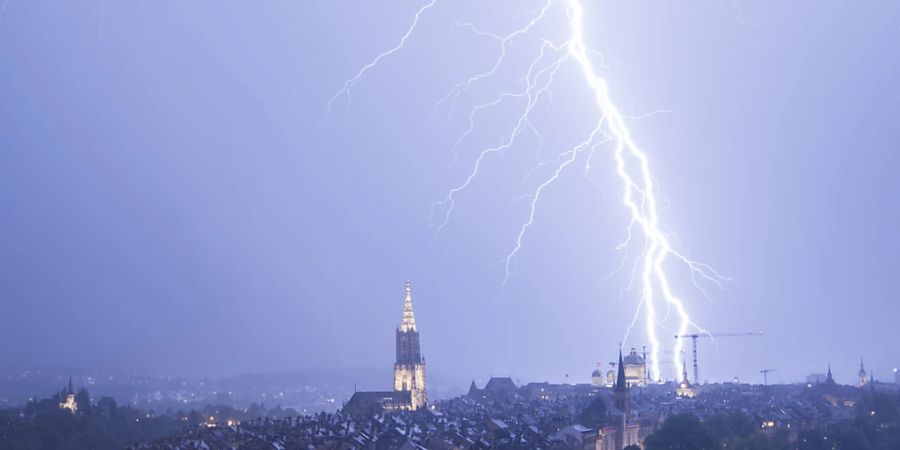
(69, 402)
(635, 369)
(684, 388)
(409, 369)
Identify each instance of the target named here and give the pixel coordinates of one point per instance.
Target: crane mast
(695, 336)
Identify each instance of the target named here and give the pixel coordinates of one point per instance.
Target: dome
(633, 358)
(596, 373)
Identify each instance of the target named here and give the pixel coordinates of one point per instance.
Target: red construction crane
(696, 336)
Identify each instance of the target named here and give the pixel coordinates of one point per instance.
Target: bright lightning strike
(631, 163)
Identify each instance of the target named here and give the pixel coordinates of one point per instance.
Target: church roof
(598, 413)
(500, 384)
(408, 323)
(596, 373)
(368, 402)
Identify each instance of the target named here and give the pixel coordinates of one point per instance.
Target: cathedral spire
(409, 320)
(409, 370)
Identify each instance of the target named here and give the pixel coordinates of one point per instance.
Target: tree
(730, 426)
(681, 432)
(108, 407)
(83, 400)
(758, 441)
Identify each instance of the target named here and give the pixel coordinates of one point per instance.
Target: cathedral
(409, 370)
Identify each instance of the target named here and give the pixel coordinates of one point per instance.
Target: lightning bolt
(504, 42)
(349, 84)
(632, 167)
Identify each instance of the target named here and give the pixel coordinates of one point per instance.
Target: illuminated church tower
(409, 370)
(70, 402)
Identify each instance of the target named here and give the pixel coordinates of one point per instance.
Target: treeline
(876, 426)
(104, 424)
(97, 425)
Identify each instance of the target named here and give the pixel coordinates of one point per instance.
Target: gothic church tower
(409, 370)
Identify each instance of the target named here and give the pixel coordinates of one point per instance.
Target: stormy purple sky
(176, 200)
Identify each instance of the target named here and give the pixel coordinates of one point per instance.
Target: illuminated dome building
(635, 369)
(597, 378)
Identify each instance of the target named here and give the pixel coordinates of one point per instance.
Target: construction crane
(765, 373)
(696, 336)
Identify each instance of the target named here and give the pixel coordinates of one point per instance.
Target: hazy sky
(176, 200)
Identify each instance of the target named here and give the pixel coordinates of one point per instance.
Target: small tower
(70, 403)
(409, 369)
(684, 388)
(828, 378)
(622, 398)
(863, 377)
(473, 390)
(621, 393)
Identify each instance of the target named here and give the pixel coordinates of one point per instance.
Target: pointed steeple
(70, 390)
(621, 383)
(409, 320)
(621, 393)
(684, 378)
(828, 378)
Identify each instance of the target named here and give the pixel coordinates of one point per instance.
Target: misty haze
(435, 224)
